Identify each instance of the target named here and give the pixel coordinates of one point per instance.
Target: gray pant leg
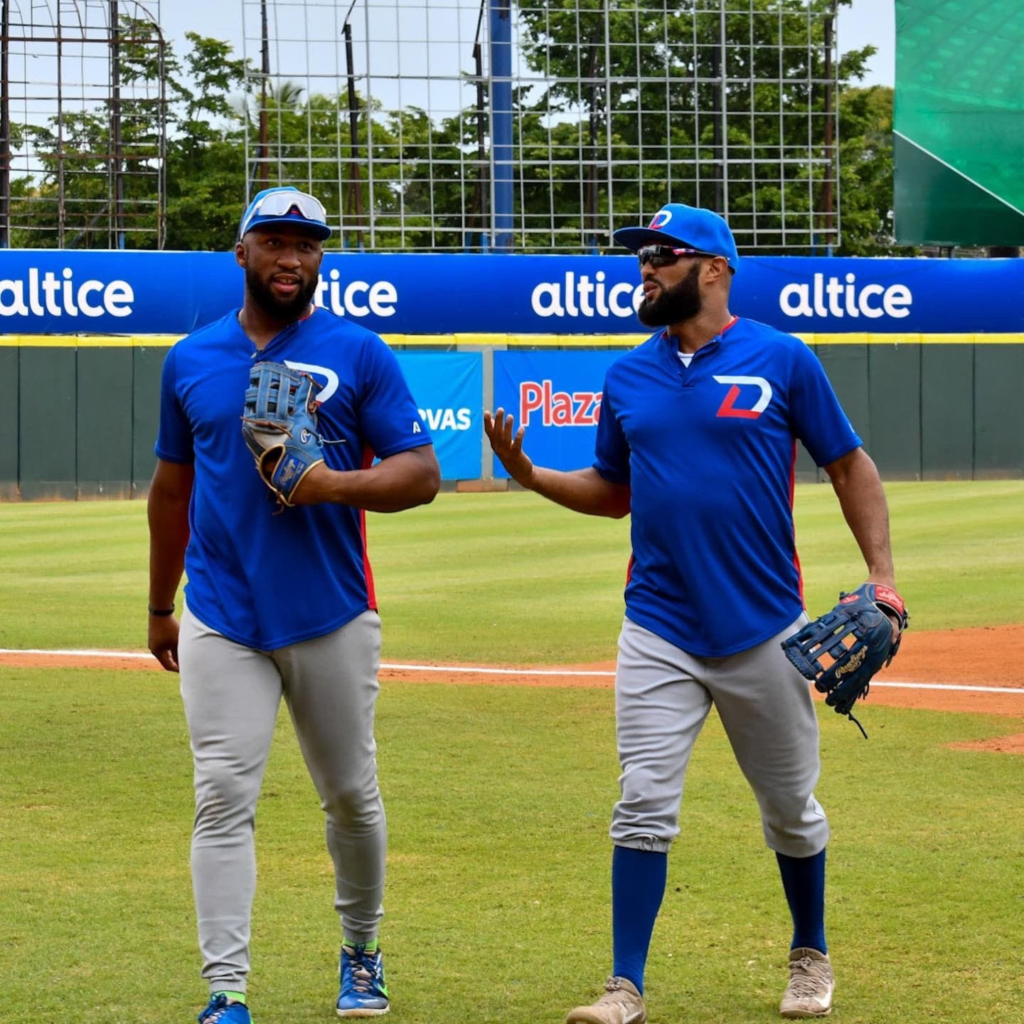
(331, 689)
(659, 711)
(662, 697)
(766, 709)
(231, 696)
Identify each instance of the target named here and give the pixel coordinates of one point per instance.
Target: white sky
(871, 21)
(867, 21)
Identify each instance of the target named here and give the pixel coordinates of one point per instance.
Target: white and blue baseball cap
(683, 227)
(285, 204)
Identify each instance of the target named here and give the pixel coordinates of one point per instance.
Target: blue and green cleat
(363, 989)
(220, 1011)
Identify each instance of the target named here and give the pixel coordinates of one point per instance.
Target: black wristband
(161, 611)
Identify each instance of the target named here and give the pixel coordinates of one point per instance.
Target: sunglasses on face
(277, 204)
(665, 255)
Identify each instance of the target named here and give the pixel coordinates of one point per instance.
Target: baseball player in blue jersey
(280, 605)
(697, 442)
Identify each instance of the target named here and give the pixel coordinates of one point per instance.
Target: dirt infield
(935, 670)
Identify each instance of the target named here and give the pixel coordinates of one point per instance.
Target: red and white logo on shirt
(739, 401)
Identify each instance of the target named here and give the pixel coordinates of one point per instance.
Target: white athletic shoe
(811, 984)
(620, 1004)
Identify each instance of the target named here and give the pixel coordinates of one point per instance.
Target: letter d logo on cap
(661, 218)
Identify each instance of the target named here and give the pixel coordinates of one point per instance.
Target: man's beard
(673, 305)
(274, 307)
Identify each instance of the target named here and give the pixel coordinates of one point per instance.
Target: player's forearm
(168, 539)
(583, 490)
(403, 481)
(861, 496)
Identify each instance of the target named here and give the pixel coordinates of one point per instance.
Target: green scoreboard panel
(959, 122)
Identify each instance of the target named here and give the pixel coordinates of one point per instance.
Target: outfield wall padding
(103, 450)
(147, 362)
(894, 372)
(47, 434)
(999, 413)
(9, 427)
(947, 413)
(84, 412)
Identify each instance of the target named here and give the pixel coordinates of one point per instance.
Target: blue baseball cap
(285, 205)
(684, 227)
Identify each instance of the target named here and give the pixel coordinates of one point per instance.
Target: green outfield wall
(80, 413)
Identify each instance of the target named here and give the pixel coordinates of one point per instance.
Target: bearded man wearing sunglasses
(697, 442)
(280, 601)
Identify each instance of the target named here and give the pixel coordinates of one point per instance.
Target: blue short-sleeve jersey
(708, 452)
(265, 580)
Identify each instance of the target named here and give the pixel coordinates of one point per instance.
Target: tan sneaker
(620, 1004)
(811, 984)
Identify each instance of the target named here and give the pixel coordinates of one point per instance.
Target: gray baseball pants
(232, 694)
(662, 698)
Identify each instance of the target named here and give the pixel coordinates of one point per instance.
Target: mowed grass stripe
(509, 578)
(497, 907)
(498, 797)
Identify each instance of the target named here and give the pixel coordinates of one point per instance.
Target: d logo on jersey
(738, 399)
(327, 389)
(661, 218)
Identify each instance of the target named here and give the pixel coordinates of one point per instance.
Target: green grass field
(511, 578)
(498, 797)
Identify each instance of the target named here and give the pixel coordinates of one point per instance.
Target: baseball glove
(280, 423)
(843, 649)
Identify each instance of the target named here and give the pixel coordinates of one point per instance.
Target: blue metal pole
(501, 121)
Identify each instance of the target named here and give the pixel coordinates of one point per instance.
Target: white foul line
(480, 670)
(950, 686)
(77, 654)
(488, 671)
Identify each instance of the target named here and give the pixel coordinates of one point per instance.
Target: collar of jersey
(283, 335)
(670, 346)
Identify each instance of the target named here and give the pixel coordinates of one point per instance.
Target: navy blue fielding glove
(841, 651)
(280, 423)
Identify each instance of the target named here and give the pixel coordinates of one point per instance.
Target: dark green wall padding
(9, 359)
(83, 420)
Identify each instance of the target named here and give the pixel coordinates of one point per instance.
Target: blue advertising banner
(68, 292)
(449, 390)
(557, 397)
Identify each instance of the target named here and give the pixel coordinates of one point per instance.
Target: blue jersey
(709, 451)
(265, 580)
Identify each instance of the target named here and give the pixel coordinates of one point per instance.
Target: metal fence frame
(380, 59)
(54, 193)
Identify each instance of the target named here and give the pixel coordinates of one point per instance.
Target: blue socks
(638, 885)
(803, 878)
